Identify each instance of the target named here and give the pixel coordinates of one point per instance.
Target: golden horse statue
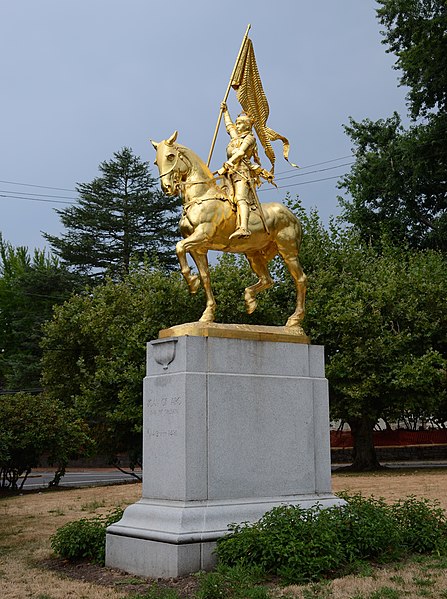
(208, 220)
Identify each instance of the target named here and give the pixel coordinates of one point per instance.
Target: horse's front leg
(193, 281)
(201, 261)
(194, 244)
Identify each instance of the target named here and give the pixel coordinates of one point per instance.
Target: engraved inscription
(162, 412)
(156, 433)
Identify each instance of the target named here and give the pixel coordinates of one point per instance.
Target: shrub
(85, 538)
(296, 544)
(368, 529)
(306, 545)
(423, 525)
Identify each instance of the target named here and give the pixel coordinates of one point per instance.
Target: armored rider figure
(239, 168)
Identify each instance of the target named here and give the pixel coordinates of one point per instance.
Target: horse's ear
(154, 143)
(172, 139)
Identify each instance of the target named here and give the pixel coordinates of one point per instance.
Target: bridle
(181, 156)
(178, 156)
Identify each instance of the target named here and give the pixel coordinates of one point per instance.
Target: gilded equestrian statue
(209, 220)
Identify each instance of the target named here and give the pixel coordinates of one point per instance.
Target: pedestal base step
(163, 539)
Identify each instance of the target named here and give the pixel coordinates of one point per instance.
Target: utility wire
(75, 191)
(2, 195)
(264, 189)
(52, 297)
(320, 170)
(301, 168)
(302, 183)
(43, 195)
(41, 186)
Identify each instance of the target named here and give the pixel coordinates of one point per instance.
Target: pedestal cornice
(236, 331)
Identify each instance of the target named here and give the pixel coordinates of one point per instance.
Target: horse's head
(171, 164)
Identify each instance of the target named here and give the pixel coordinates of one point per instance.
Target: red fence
(396, 438)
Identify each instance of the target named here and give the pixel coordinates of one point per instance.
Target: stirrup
(240, 232)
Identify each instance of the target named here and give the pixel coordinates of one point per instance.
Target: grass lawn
(28, 570)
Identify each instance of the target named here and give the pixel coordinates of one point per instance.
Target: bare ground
(28, 568)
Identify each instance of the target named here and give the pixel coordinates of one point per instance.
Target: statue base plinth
(231, 428)
(236, 331)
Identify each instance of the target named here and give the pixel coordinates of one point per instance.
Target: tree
(94, 347)
(379, 313)
(380, 316)
(29, 287)
(94, 351)
(415, 33)
(397, 183)
(119, 216)
(34, 426)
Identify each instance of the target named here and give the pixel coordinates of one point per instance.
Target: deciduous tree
(94, 351)
(29, 287)
(33, 427)
(397, 184)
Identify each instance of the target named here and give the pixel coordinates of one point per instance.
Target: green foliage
(369, 530)
(385, 593)
(29, 287)
(423, 525)
(397, 183)
(307, 545)
(380, 314)
(94, 351)
(33, 426)
(85, 538)
(120, 216)
(415, 33)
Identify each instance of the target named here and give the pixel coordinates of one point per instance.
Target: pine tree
(120, 216)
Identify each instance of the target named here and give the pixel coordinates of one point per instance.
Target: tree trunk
(364, 452)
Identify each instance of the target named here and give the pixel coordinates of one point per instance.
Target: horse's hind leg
(258, 263)
(201, 261)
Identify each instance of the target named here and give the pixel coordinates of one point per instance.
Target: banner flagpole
(226, 95)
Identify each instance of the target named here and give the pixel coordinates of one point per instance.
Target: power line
(41, 186)
(34, 199)
(27, 294)
(43, 195)
(320, 170)
(75, 191)
(302, 183)
(301, 168)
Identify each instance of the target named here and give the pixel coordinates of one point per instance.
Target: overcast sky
(82, 79)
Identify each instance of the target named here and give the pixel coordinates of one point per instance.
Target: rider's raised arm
(229, 125)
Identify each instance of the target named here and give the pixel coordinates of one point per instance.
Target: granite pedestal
(232, 427)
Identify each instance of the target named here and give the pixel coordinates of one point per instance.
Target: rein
(183, 184)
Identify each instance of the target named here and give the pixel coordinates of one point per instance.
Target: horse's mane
(196, 160)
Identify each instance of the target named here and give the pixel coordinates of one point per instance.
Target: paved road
(84, 478)
(413, 465)
(107, 476)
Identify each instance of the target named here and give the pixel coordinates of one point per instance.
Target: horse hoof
(207, 316)
(251, 305)
(194, 284)
(292, 323)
